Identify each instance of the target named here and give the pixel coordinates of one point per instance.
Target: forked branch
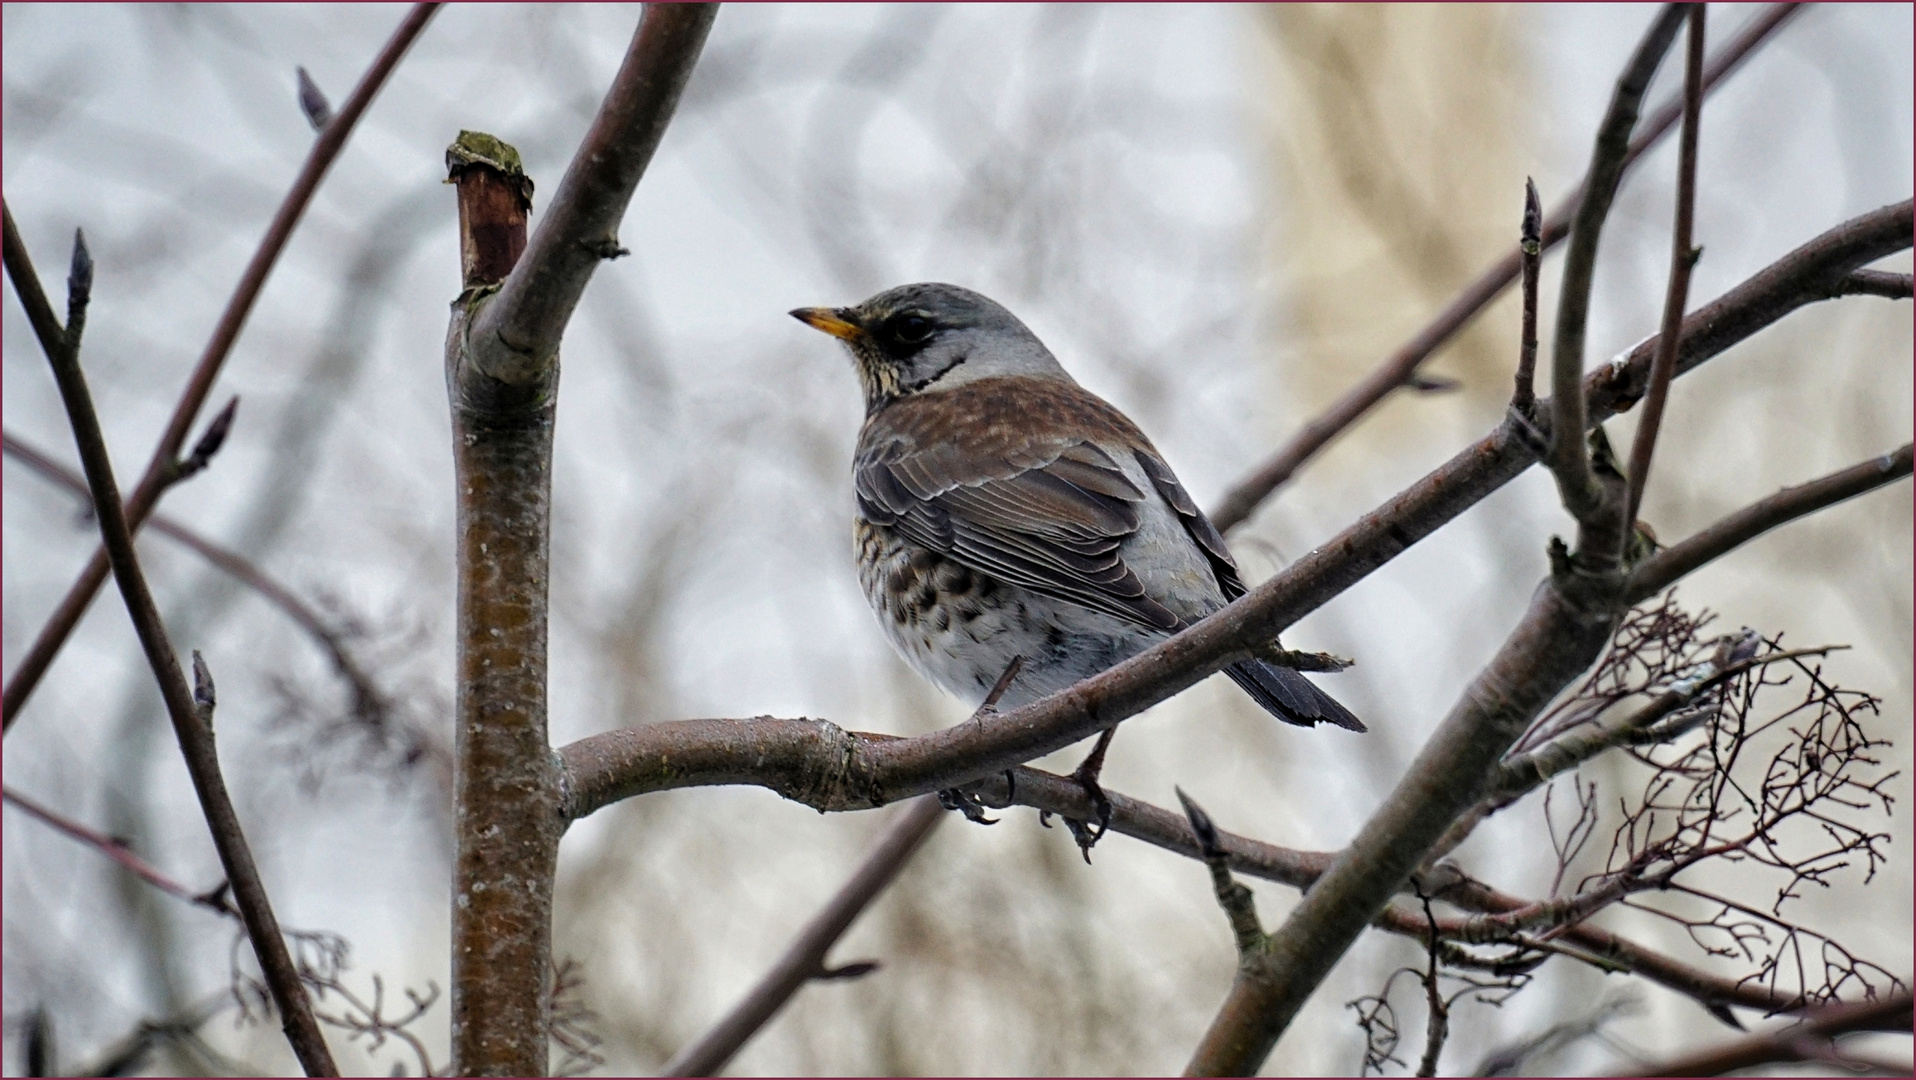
(1567, 458)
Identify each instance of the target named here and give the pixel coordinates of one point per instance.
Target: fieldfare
(1007, 513)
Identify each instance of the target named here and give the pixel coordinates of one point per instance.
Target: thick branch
(1557, 639)
(1567, 458)
(505, 833)
(1661, 570)
(826, 767)
(805, 960)
(160, 470)
(515, 340)
(1397, 369)
(190, 709)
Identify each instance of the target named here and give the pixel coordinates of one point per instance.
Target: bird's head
(931, 336)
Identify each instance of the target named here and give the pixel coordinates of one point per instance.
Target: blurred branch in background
(119, 852)
(1812, 1040)
(1398, 370)
(805, 960)
(163, 470)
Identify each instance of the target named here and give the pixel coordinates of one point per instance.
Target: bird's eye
(911, 329)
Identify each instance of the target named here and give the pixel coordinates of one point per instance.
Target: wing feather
(1054, 526)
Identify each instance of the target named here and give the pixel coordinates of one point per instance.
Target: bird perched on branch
(1006, 512)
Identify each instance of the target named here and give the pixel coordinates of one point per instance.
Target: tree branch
(1567, 458)
(191, 710)
(1529, 257)
(1663, 569)
(119, 852)
(366, 692)
(1240, 907)
(805, 959)
(1881, 283)
(1798, 1042)
(1398, 369)
(502, 376)
(515, 339)
(505, 836)
(161, 470)
(1683, 258)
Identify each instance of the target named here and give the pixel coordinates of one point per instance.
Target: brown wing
(1009, 480)
(1054, 528)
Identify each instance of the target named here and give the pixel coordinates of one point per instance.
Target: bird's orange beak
(838, 322)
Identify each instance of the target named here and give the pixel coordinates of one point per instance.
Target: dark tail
(1290, 696)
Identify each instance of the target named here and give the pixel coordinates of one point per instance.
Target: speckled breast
(950, 622)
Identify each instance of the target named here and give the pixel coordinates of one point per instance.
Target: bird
(1008, 516)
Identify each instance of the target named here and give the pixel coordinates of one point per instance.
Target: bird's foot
(1088, 833)
(967, 803)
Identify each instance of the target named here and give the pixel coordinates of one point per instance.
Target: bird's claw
(1088, 833)
(967, 803)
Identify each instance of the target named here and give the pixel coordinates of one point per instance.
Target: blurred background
(1218, 217)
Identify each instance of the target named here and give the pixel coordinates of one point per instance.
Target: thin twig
(1658, 572)
(1437, 1010)
(1243, 499)
(190, 711)
(161, 470)
(804, 960)
(1683, 256)
(1801, 1041)
(119, 852)
(365, 691)
(1530, 258)
(1568, 459)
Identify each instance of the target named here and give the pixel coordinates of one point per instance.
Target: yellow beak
(831, 320)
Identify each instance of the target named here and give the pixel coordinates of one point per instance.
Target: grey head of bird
(931, 336)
